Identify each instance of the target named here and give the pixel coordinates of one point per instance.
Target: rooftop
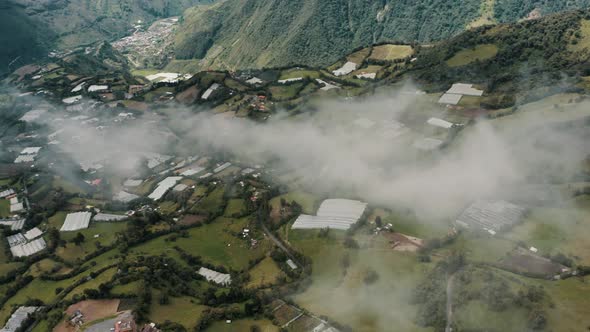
(76, 221)
(333, 213)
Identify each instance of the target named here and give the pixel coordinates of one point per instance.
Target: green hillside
(270, 33)
(521, 60)
(25, 41)
(81, 22)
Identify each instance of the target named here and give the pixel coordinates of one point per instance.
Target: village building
(222, 167)
(333, 213)
(457, 91)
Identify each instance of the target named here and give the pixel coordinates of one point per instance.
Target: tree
(78, 239)
(378, 221)
(371, 277)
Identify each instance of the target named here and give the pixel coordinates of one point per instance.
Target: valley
(182, 176)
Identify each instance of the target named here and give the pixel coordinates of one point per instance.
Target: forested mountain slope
(30, 27)
(258, 33)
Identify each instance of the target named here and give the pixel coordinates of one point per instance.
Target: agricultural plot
(478, 53)
(107, 235)
(183, 310)
(295, 73)
(264, 325)
(93, 310)
(264, 273)
(218, 243)
(286, 91)
(556, 230)
(307, 201)
(391, 52)
(102, 278)
(234, 206)
(343, 294)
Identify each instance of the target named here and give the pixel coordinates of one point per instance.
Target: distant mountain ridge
(236, 34)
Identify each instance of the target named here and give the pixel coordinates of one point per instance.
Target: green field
(102, 278)
(183, 310)
(295, 73)
(285, 91)
(234, 206)
(477, 53)
(4, 208)
(264, 325)
(391, 52)
(131, 288)
(213, 242)
(45, 266)
(347, 299)
(264, 273)
(211, 203)
(107, 232)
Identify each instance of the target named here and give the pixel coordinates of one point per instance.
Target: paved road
(278, 242)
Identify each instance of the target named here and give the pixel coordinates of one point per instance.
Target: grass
(4, 208)
(5, 268)
(211, 243)
(107, 232)
(102, 278)
(168, 207)
(264, 325)
(391, 52)
(234, 206)
(556, 230)
(68, 186)
(285, 91)
(294, 73)
(343, 296)
(45, 266)
(476, 315)
(57, 220)
(359, 56)
(584, 41)
(183, 310)
(478, 53)
(486, 17)
(127, 289)
(211, 202)
(264, 273)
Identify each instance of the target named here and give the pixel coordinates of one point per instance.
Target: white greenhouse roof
(17, 318)
(289, 80)
(96, 88)
(33, 233)
(333, 213)
(491, 216)
(132, 183)
(6, 193)
(209, 91)
(125, 197)
(450, 98)
(222, 167)
(33, 115)
(346, 69)
(439, 123)
(16, 239)
(29, 248)
(465, 90)
(164, 186)
(76, 221)
(31, 150)
(193, 170)
(17, 207)
(215, 277)
(109, 217)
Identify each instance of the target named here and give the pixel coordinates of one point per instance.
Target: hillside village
(189, 237)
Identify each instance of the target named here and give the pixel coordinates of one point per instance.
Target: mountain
(37, 26)
(26, 40)
(269, 33)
